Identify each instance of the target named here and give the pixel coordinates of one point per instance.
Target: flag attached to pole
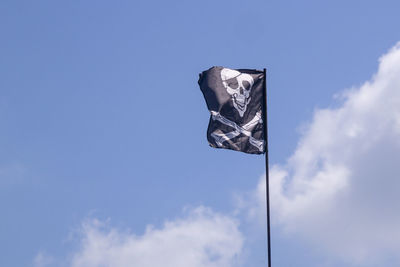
(235, 99)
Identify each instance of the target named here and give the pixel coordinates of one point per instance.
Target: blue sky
(103, 133)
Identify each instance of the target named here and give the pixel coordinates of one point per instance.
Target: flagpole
(267, 167)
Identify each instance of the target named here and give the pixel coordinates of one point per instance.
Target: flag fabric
(235, 99)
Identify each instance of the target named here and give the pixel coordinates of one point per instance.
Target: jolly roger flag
(235, 99)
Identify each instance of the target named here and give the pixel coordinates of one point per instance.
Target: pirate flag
(235, 101)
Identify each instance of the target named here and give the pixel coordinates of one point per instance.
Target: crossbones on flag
(235, 100)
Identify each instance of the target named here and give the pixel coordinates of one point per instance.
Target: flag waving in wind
(235, 99)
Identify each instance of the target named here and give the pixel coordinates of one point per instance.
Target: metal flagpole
(267, 166)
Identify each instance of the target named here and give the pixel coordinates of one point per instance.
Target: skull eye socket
(246, 85)
(232, 83)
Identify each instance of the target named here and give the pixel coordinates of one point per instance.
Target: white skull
(238, 85)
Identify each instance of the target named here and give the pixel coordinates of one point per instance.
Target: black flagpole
(267, 167)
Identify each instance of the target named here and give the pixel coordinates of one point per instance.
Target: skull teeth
(241, 104)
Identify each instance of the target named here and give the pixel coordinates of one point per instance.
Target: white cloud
(202, 239)
(341, 187)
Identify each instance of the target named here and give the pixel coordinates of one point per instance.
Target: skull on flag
(238, 85)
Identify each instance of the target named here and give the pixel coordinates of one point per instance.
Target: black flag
(235, 99)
